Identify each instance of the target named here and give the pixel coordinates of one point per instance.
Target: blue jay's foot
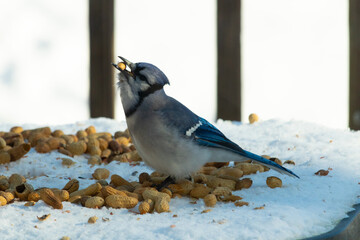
(169, 180)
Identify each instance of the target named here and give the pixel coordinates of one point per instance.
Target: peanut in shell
(7, 195)
(19, 151)
(2, 201)
(91, 190)
(243, 184)
(4, 184)
(94, 202)
(72, 186)
(273, 182)
(101, 173)
(49, 198)
(118, 180)
(34, 196)
(210, 200)
(16, 180)
(118, 201)
(200, 191)
(108, 190)
(22, 191)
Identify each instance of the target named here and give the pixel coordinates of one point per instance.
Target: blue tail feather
(271, 164)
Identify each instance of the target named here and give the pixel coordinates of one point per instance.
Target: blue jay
(167, 135)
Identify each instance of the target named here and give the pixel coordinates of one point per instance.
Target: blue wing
(205, 134)
(208, 135)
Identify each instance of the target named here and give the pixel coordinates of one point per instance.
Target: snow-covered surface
(301, 208)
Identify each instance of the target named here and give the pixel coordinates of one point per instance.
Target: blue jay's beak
(121, 66)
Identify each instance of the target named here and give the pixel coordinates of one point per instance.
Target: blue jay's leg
(169, 180)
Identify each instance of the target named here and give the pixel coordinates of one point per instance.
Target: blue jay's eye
(142, 77)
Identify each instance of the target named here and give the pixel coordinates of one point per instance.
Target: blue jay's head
(138, 80)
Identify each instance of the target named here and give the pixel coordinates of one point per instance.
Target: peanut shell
(253, 117)
(91, 190)
(34, 196)
(200, 191)
(7, 195)
(94, 202)
(101, 173)
(19, 151)
(22, 191)
(107, 191)
(210, 200)
(72, 186)
(273, 182)
(118, 180)
(243, 183)
(2, 201)
(4, 184)
(118, 201)
(49, 198)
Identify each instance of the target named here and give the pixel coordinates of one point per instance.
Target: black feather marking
(142, 96)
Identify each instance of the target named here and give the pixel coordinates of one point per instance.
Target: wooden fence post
(354, 90)
(101, 20)
(228, 51)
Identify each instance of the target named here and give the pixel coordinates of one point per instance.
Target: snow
(301, 208)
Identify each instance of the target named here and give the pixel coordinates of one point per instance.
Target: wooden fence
(101, 19)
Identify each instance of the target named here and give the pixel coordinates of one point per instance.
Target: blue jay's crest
(168, 136)
(150, 73)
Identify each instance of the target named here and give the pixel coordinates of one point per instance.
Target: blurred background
(294, 57)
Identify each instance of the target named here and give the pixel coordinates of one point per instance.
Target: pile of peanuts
(213, 182)
(102, 146)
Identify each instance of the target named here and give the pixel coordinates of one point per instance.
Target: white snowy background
(294, 55)
(295, 66)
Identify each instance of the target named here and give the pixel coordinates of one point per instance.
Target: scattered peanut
(4, 157)
(118, 201)
(249, 168)
(72, 186)
(94, 202)
(22, 191)
(253, 118)
(241, 203)
(92, 219)
(161, 199)
(210, 200)
(101, 173)
(119, 181)
(243, 183)
(4, 184)
(2, 201)
(200, 191)
(273, 182)
(49, 198)
(67, 162)
(63, 195)
(19, 151)
(322, 172)
(147, 206)
(7, 195)
(91, 190)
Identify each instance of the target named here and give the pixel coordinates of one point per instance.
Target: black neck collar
(142, 96)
